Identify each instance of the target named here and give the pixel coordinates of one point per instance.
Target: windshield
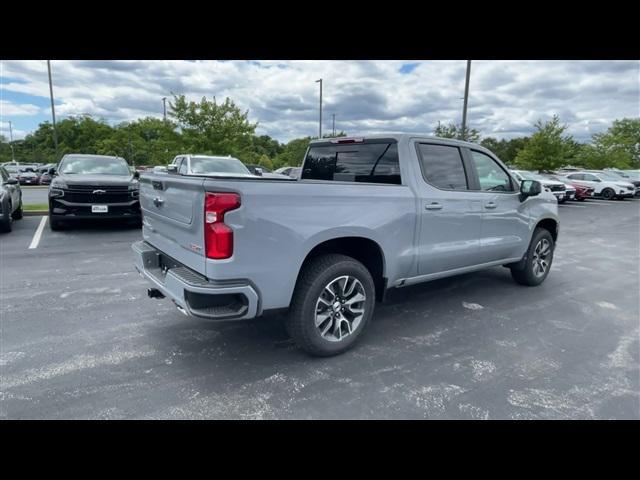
(218, 165)
(609, 176)
(531, 176)
(633, 175)
(94, 165)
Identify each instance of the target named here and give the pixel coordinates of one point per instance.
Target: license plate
(99, 208)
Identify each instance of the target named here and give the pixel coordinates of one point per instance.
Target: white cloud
(9, 109)
(506, 97)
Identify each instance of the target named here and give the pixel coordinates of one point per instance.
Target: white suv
(606, 185)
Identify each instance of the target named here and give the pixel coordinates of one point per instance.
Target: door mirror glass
(529, 188)
(258, 171)
(52, 171)
(136, 174)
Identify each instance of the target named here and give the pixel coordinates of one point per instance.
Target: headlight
(134, 188)
(56, 192)
(57, 183)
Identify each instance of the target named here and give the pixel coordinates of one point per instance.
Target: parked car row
(29, 173)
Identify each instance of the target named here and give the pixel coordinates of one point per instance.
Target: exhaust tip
(154, 293)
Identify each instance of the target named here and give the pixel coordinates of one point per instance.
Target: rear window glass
(367, 162)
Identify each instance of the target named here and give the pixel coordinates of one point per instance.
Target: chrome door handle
(490, 205)
(433, 206)
(158, 201)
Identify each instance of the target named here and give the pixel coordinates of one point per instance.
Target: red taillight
(218, 237)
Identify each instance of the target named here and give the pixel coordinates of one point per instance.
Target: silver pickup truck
(368, 214)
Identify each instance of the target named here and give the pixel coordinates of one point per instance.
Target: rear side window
(442, 166)
(371, 163)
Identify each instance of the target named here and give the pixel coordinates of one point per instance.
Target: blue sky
(506, 97)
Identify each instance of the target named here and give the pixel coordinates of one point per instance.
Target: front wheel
(538, 259)
(331, 306)
(608, 194)
(54, 224)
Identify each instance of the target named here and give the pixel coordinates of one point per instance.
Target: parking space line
(36, 237)
(572, 206)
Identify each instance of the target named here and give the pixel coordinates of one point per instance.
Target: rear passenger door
(505, 219)
(450, 214)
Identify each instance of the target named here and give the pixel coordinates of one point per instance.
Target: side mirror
(172, 168)
(258, 171)
(136, 174)
(529, 188)
(52, 171)
(11, 181)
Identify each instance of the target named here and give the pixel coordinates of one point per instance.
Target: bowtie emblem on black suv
(99, 192)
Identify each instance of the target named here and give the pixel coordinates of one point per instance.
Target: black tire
(322, 272)
(5, 222)
(581, 199)
(17, 215)
(54, 224)
(526, 275)
(608, 194)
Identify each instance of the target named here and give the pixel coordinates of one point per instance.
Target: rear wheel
(331, 306)
(608, 194)
(538, 259)
(17, 215)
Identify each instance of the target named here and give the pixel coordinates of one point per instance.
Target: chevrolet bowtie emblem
(99, 192)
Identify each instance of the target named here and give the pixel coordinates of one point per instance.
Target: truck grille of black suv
(96, 194)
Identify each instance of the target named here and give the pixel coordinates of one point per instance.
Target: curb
(34, 213)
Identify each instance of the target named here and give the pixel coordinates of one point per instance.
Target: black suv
(93, 187)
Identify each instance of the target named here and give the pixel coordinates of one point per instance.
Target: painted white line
(38, 234)
(571, 206)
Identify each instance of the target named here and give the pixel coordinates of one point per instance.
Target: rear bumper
(192, 293)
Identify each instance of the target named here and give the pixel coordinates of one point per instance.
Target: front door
(505, 222)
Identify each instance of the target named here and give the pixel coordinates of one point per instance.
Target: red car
(582, 192)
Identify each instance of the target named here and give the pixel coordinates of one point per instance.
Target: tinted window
(576, 176)
(442, 166)
(182, 166)
(491, 175)
(4, 174)
(367, 162)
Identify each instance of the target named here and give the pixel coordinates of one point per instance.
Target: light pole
(334, 125)
(53, 108)
(320, 124)
(13, 156)
(164, 107)
(466, 98)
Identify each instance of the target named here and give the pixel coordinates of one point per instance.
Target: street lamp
(466, 98)
(53, 108)
(164, 107)
(334, 124)
(13, 156)
(320, 123)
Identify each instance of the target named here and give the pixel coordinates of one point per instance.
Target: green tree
(212, 128)
(506, 150)
(455, 131)
(293, 153)
(618, 147)
(548, 148)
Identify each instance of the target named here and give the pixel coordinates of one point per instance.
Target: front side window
(4, 174)
(182, 166)
(370, 163)
(442, 166)
(491, 175)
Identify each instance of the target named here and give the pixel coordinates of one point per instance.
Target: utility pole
(53, 108)
(466, 98)
(334, 124)
(164, 107)
(320, 124)
(13, 156)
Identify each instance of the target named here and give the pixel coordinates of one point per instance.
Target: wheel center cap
(336, 306)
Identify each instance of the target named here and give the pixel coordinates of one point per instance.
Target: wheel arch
(365, 250)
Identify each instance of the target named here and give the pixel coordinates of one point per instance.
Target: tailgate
(173, 217)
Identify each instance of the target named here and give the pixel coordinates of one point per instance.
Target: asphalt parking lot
(80, 339)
